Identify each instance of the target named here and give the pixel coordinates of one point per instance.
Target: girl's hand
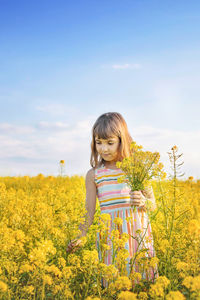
(137, 198)
(74, 245)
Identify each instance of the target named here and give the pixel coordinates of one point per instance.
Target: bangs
(106, 130)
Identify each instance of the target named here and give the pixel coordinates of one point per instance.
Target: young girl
(111, 143)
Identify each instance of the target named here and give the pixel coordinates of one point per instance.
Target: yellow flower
(74, 260)
(153, 262)
(67, 293)
(124, 237)
(175, 295)
(194, 227)
(174, 148)
(196, 284)
(108, 271)
(62, 262)
(19, 235)
(26, 268)
(128, 219)
(47, 279)
(105, 246)
(182, 266)
(29, 289)
(91, 298)
(192, 283)
(164, 245)
(120, 243)
(56, 289)
(127, 296)
(123, 283)
(35, 209)
(105, 217)
(40, 176)
(118, 164)
(118, 221)
(121, 179)
(136, 276)
(163, 281)
(142, 296)
(53, 269)
(122, 255)
(62, 162)
(135, 146)
(156, 290)
(67, 272)
(90, 257)
(3, 287)
(115, 234)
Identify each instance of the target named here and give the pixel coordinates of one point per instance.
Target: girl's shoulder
(90, 175)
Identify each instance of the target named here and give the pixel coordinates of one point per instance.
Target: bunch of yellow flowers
(140, 167)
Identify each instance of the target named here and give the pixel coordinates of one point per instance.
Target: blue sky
(63, 63)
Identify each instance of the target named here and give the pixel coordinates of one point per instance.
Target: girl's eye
(109, 143)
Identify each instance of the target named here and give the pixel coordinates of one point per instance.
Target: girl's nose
(104, 148)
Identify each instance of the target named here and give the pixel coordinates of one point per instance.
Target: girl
(111, 143)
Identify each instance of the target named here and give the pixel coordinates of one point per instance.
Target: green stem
(88, 284)
(139, 243)
(174, 196)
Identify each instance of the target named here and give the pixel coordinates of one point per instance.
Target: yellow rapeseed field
(40, 215)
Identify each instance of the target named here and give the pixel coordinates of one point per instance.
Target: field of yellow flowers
(40, 215)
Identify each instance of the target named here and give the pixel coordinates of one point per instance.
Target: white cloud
(56, 109)
(52, 125)
(41, 150)
(126, 66)
(7, 128)
(16, 146)
(19, 154)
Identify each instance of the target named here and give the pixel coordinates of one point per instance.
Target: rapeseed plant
(62, 167)
(140, 167)
(40, 215)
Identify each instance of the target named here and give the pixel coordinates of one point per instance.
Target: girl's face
(108, 148)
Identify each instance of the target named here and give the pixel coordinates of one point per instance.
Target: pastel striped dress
(114, 199)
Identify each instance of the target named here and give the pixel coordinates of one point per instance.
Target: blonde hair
(107, 125)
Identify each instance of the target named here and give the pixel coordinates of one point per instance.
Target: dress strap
(96, 172)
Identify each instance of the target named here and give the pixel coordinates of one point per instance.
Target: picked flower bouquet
(140, 167)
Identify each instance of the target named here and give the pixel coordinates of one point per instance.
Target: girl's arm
(90, 203)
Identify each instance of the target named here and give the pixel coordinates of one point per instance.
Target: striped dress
(114, 199)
